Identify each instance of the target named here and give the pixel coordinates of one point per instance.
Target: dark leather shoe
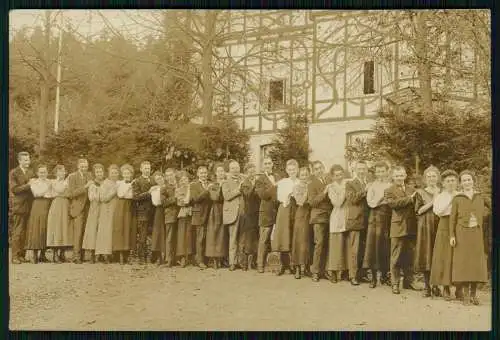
(315, 278)
(373, 284)
(395, 290)
(354, 282)
(77, 261)
(435, 291)
(280, 271)
(411, 286)
(232, 268)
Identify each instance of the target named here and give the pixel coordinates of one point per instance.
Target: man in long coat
(265, 187)
(356, 207)
(171, 212)
(19, 183)
(144, 209)
(200, 197)
(233, 209)
(78, 184)
(401, 199)
(321, 208)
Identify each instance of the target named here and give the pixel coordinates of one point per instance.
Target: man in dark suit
(19, 183)
(141, 188)
(78, 184)
(265, 187)
(401, 199)
(200, 197)
(249, 228)
(171, 211)
(356, 207)
(321, 209)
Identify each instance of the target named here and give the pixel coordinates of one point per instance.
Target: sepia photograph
(272, 170)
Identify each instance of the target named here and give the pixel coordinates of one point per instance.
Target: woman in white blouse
(377, 250)
(59, 233)
(36, 233)
(91, 225)
(281, 239)
(337, 240)
(442, 253)
(123, 217)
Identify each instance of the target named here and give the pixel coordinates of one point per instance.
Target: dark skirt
(124, 226)
(36, 233)
(158, 235)
(185, 239)
(377, 249)
(301, 237)
(469, 262)
(442, 254)
(217, 241)
(426, 235)
(282, 233)
(337, 251)
(249, 234)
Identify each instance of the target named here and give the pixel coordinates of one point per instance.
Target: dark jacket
(142, 198)
(463, 207)
(356, 205)
(403, 220)
(321, 207)
(20, 190)
(201, 202)
(252, 200)
(268, 200)
(169, 203)
(78, 193)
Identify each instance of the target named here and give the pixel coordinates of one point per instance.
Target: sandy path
(114, 297)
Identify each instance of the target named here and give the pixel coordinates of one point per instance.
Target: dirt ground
(113, 297)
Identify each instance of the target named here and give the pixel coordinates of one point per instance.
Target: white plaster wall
(328, 140)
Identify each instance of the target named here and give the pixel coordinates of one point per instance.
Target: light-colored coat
(233, 201)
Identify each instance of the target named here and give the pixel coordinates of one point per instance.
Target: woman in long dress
(185, 239)
(108, 198)
(91, 225)
(442, 253)
(301, 238)
(281, 237)
(59, 234)
(249, 227)
(427, 223)
(36, 233)
(217, 240)
(469, 266)
(377, 250)
(123, 217)
(158, 234)
(337, 238)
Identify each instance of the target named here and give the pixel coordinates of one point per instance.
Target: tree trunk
(206, 67)
(423, 64)
(44, 90)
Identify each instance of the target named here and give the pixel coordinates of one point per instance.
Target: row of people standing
(326, 223)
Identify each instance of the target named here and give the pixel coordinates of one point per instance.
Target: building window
(369, 77)
(264, 152)
(276, 97)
